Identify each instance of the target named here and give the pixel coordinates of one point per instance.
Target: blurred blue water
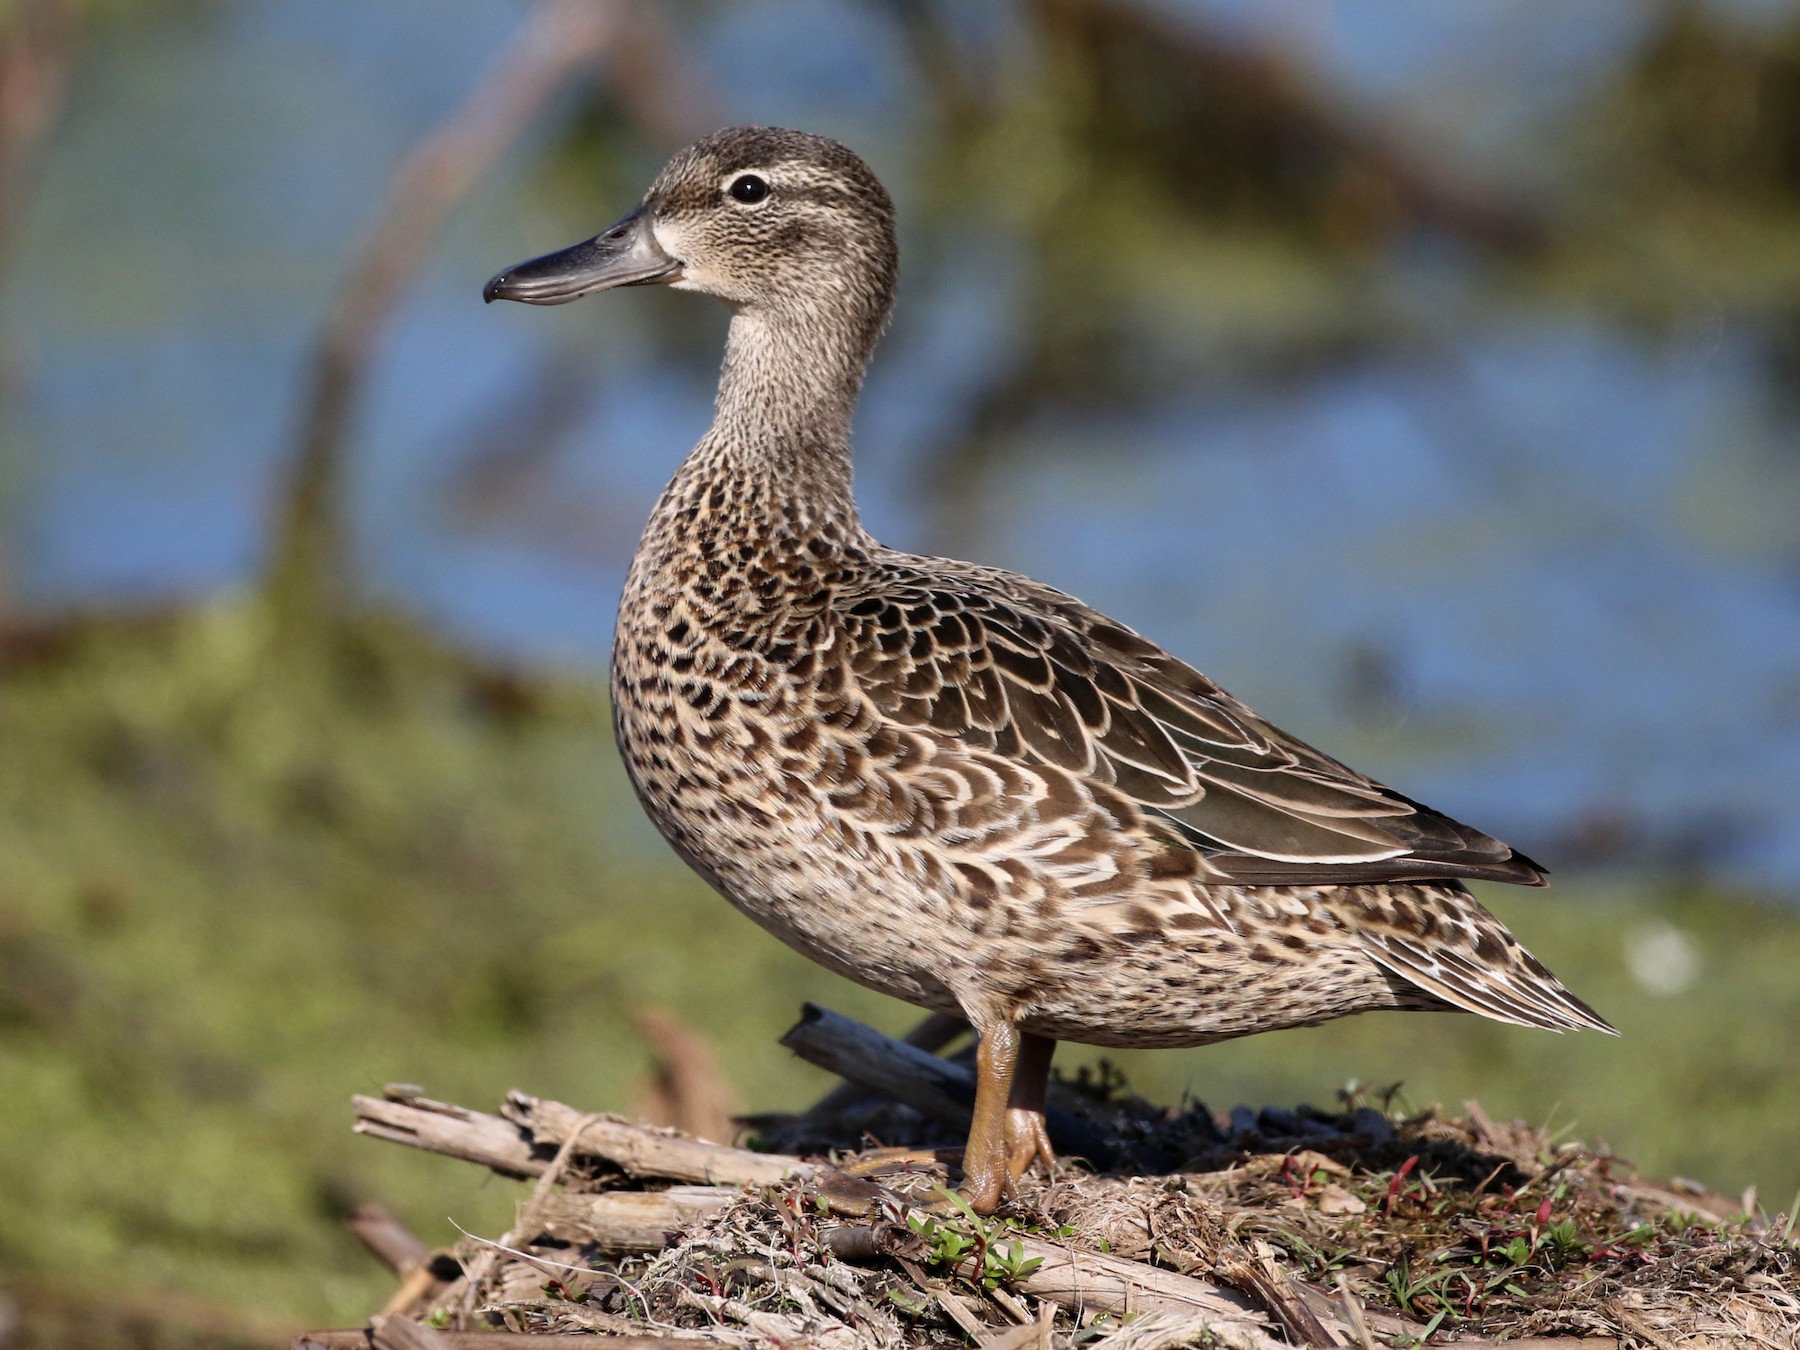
(1545, 575)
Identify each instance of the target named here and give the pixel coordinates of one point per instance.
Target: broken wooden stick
(402, 1117)
(934, 1087)
(389, 1240)
(522, 1144)
(1088, 1282)
(932, 1034)
(642, 1151)
(618, 1222)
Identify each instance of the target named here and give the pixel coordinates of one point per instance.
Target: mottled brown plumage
(954, 784)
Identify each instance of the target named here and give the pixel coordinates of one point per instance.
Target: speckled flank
(959, 786)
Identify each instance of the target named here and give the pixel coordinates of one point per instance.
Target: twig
(1107, 1283)
(932, 1034)
(1354, 1312)
(960, 1313)
(559, 38)
(639, 1151)
(1089, 1282)
(37, 42)
(1014, 1338)
(932, 1086)
(389, 1239)
(439, 1127)
(1258, 1272)
(685, 1089)
(628, 1221)
(422, 1272)
(1167, 1330)
(521, 1145)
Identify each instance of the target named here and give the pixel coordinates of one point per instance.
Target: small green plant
(1007, 1261)
(1409, 1288)
(1318, 1261)
(908, 1301)
(981, 1242)
(949, 1244)
(1565, 1244)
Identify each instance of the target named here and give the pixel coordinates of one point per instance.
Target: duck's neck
(778, 450)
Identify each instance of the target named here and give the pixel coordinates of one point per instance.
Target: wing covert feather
(1013, 666)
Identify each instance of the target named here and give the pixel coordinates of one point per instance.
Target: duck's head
(773, 221)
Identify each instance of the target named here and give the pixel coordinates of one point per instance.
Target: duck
(949, 782)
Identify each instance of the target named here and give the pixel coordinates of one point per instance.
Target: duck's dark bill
(626, 255)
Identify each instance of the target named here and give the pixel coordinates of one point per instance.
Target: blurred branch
(560, 39)
(511, 442)
(36, 47)
(391, 1242)
(664, 94)
(960, 101)
(686, 1089)
(1358, 177)
(1131, 105)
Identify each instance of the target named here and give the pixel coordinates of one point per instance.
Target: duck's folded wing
(1016, 668)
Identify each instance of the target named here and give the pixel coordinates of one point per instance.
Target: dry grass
(1438, 1227)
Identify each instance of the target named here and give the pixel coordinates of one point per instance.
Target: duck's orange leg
(1007, 1134)
(986, 1159)
(1027, 1136)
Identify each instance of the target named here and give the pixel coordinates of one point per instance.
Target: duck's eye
(749, 189)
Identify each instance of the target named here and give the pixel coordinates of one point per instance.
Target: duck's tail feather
(1451, 947)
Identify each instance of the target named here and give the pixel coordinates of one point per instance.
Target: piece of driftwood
(627, 1221)
(934, 1087)
(523, 1143)
(932, 1034)
(401, 1117)
(559, 40)
(1102, 1282)
(639, 1151)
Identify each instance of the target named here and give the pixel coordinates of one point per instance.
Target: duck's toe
(1027, 1142)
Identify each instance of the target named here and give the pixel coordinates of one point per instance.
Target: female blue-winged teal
(954, 784)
